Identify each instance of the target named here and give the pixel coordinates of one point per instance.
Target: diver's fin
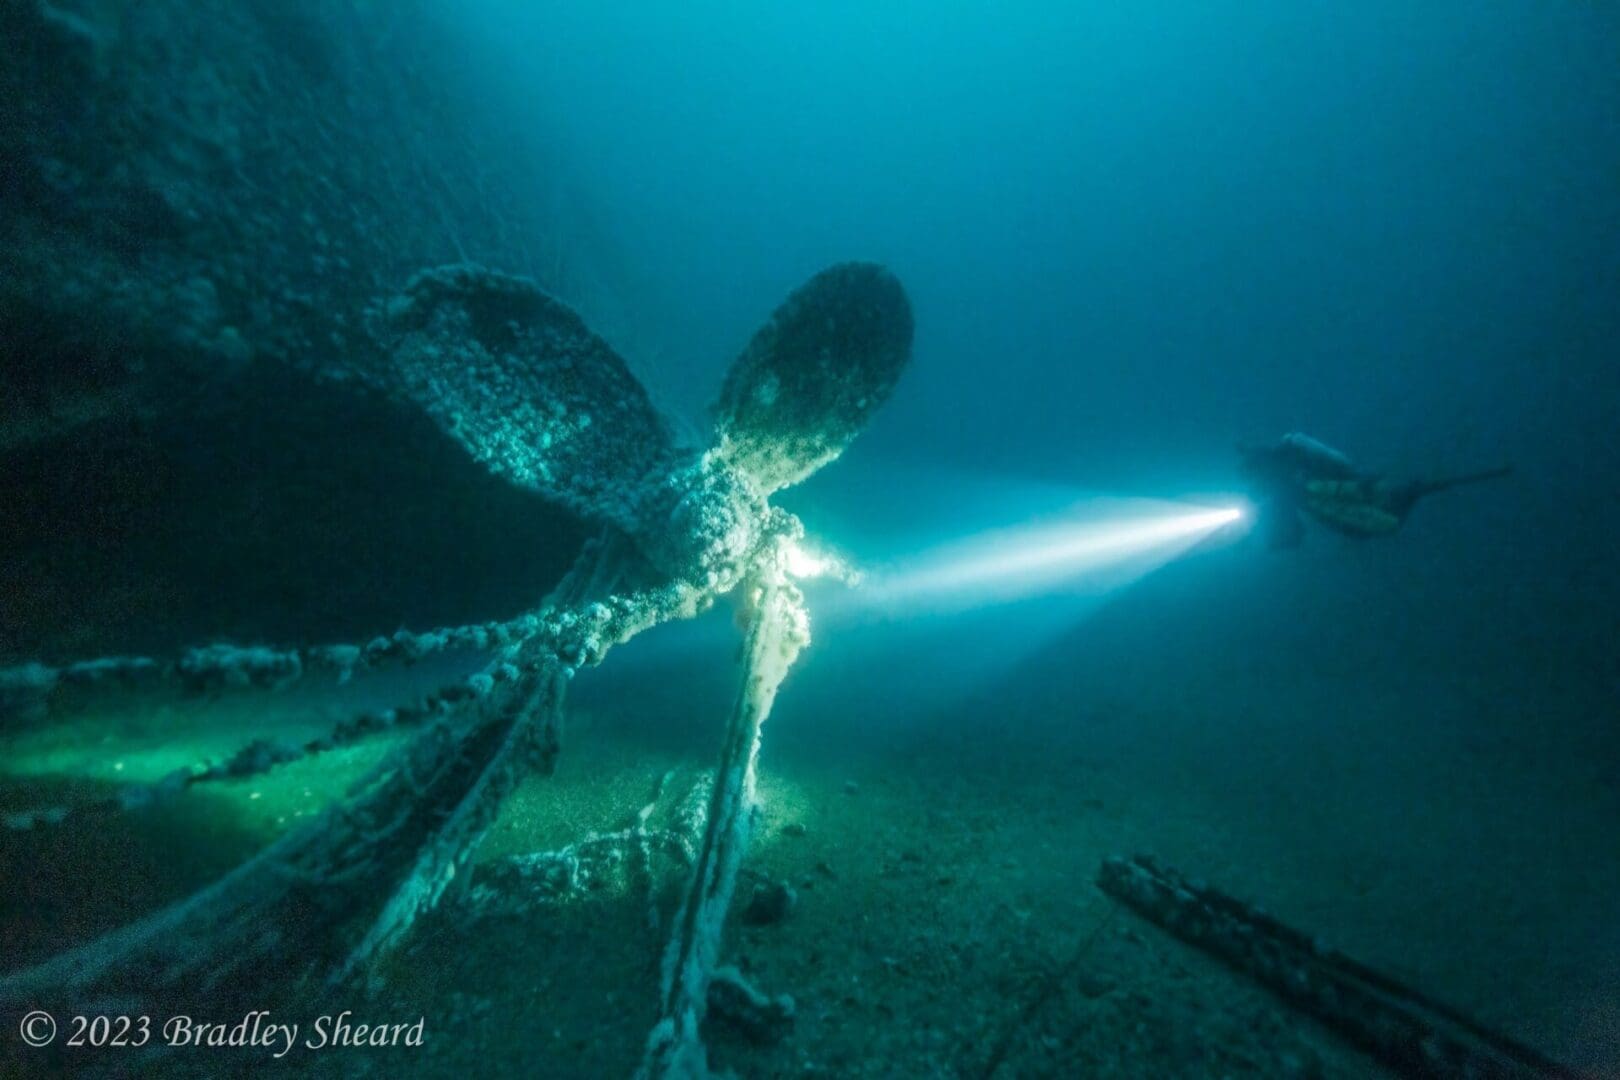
(1421, 488)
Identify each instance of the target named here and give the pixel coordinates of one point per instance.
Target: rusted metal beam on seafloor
(1413, 1034)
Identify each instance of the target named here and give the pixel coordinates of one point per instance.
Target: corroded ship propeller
(523, 385)
(518, 380)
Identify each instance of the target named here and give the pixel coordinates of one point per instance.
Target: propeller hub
(701, 521)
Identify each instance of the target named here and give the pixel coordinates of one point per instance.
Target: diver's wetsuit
(1299, 475)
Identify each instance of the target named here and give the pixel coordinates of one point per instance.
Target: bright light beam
(1086, 554)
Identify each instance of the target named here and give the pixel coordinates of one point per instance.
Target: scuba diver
(1298, 475)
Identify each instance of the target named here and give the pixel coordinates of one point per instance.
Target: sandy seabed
(947, 922)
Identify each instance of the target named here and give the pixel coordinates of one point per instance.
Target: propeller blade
(814, 374)
(519, 380)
